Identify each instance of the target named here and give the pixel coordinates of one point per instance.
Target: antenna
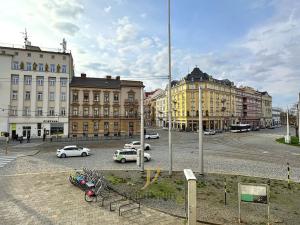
(64, 45)
(25, 36)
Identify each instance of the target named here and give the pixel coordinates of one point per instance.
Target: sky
(250, 42)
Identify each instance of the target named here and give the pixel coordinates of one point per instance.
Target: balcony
(131, 102)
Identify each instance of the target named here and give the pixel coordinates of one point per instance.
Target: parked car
(209, 132)
(126, 155)
(271, 127)
(72, 150)
(136, 145)
(152, 136)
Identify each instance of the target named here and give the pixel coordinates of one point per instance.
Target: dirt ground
(168, 193)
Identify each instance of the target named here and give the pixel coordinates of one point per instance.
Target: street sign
(254, 193)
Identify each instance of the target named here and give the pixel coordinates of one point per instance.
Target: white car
(209, 132)
(126, 155)
(72, 150)
(136, 145)
(152, 136)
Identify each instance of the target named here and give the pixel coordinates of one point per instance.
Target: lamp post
(299, 120)
(287, 137)
(169, 90)
(201, 166)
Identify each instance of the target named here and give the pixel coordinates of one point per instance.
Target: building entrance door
(26, 131)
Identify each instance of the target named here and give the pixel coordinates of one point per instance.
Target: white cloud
(107, 9)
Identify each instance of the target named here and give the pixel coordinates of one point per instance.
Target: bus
(238, 128)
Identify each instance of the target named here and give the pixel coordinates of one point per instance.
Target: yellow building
(218, 98)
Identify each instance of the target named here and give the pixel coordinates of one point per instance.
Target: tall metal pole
(169, 91)
(201, 166)
(142, 130)
(287, 123)
(299, 119)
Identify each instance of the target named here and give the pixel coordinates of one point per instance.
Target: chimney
(108, 77)
(117, 77)
(83, 75)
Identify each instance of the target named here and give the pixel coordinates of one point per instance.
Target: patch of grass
(294, 141)
(115, 180)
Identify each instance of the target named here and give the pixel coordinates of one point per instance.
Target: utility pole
(142, 131)
(201, 166)
(299, 119)
(169, 91)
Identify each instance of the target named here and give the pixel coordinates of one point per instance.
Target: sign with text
(253, 193)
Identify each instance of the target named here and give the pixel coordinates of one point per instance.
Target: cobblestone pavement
(50, 199)
(253, 154)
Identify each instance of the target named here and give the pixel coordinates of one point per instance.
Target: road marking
(265, 152)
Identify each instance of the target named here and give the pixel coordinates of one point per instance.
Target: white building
(160, 112)
(276, 116)
(34, 89)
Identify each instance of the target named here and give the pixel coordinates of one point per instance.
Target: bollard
(225, 191)
(288, 168)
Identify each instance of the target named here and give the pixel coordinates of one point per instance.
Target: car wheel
(146, 159)
(63, 155)
(83, 154)
(148, 137)
(147, 148)
(123, 160)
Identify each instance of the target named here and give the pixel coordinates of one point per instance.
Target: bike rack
(131, 203)
(113, 202)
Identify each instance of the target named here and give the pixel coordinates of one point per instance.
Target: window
(15, 79)
(116, 97)
(16, 53)
(96, 97)
(74, 126)
(75, 97)
(15, 65)
(64, 68)
(63, 96)
(116, 112)
(41, 56)
(52, 81)
(106, 97)
(85, 111)
(51, 111)
(26, 111)
(85, 96)
(52, 56)
(40, 81)
(116, 125)
(27, 95)
(28, 80)
(75, 111)
(96, 125)
(106, 125)
(85, 126)
(15, 95)
(29, 66)
(40, 96)
(41, 67)
(51, 96)
(63, 82)
(52, 68)
(63, 112)
(130, 97)
(39, 112)
(14, 111)
(96, 111)
(106, 112)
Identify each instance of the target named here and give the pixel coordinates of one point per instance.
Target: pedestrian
(44, 136)
(17, 137)
(21, 139)
(28, 138)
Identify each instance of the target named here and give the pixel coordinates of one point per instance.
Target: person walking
(28, 138)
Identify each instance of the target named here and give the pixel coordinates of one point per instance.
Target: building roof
(103, 83)
(197, 75)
